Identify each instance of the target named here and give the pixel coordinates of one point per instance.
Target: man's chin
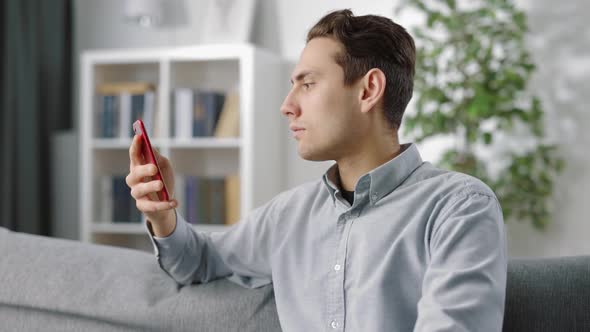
(313, 156)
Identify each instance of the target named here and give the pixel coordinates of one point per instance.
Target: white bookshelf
(258, 77)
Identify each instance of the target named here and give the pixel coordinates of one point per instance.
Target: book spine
(121, 198)
(183, 106)
(114, 117)
(106, 198)
(199, 115)
(149, 114)
(134, 214)
(217, 200)
(203, 203)
(219, 102)
(124, 114)
(137, 109)
(210, 103)
(109, 112)
(228, 124)
(191, 200)
(232, 199)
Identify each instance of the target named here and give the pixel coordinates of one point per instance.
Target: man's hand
(144, 191)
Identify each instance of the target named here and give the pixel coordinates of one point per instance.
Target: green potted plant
(472, 70)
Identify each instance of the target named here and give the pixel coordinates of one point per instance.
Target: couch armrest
(62, 285)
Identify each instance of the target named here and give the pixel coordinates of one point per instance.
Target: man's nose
(290, 107)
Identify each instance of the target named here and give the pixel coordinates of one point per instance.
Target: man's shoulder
(449, 182)
(449, 191)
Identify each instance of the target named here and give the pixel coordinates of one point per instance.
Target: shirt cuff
(173, 244)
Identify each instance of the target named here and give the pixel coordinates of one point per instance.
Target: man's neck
(351, 168)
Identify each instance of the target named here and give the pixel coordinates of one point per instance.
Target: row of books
(200, 113)
(120, 104)
(117, 205)
(209, 200)
(203, 200)
(194, 113)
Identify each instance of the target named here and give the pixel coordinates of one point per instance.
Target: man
(383, 241)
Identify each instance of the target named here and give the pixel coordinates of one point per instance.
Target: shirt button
(337, 267)
(334, 324)
(375, 196)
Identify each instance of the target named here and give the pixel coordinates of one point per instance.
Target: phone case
(149, 157)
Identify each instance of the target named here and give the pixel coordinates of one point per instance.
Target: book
(124, 114)
(106, 198)
(232, 199)
(109, 118)
(191, 199)
(183, 112)
(229, 119)
(216, 192)
(134, 214)
(121, 199)
(137, 112)
(213, 104)
(205, 200)
(199, 121)
(149, 113)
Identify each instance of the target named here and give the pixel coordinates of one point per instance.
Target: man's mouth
(297, 131)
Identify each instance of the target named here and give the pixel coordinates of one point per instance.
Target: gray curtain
(35, 101)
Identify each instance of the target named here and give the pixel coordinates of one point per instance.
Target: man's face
(324, 115)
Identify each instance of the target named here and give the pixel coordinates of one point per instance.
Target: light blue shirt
(420, 249)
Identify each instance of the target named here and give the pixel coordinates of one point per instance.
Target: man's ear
(371, 89)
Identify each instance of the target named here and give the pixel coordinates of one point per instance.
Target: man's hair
(372, 41)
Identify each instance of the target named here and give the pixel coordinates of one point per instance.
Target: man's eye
(307, 85)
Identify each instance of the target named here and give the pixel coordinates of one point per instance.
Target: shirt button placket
(336, 300)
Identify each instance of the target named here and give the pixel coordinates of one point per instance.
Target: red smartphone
(148, 156)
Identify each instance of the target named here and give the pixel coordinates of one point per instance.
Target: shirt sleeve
(464, 284)
(241, 254)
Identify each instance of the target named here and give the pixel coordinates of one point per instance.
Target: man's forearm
(165, 227)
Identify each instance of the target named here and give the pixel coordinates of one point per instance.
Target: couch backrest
(548, 294)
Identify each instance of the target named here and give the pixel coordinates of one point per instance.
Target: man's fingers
(145, 205)
(138, 173)
(142, 189)
(134, 151)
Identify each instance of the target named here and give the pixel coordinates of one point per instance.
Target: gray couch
(59, 285)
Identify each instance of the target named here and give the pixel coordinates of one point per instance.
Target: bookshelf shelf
(193, 143)
(118, 143)
(108, 143)
(196, 143)
(250, 77)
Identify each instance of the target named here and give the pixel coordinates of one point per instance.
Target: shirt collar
(381, 180)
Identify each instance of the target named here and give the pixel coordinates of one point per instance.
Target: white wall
(559, 40)
(560, 45)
